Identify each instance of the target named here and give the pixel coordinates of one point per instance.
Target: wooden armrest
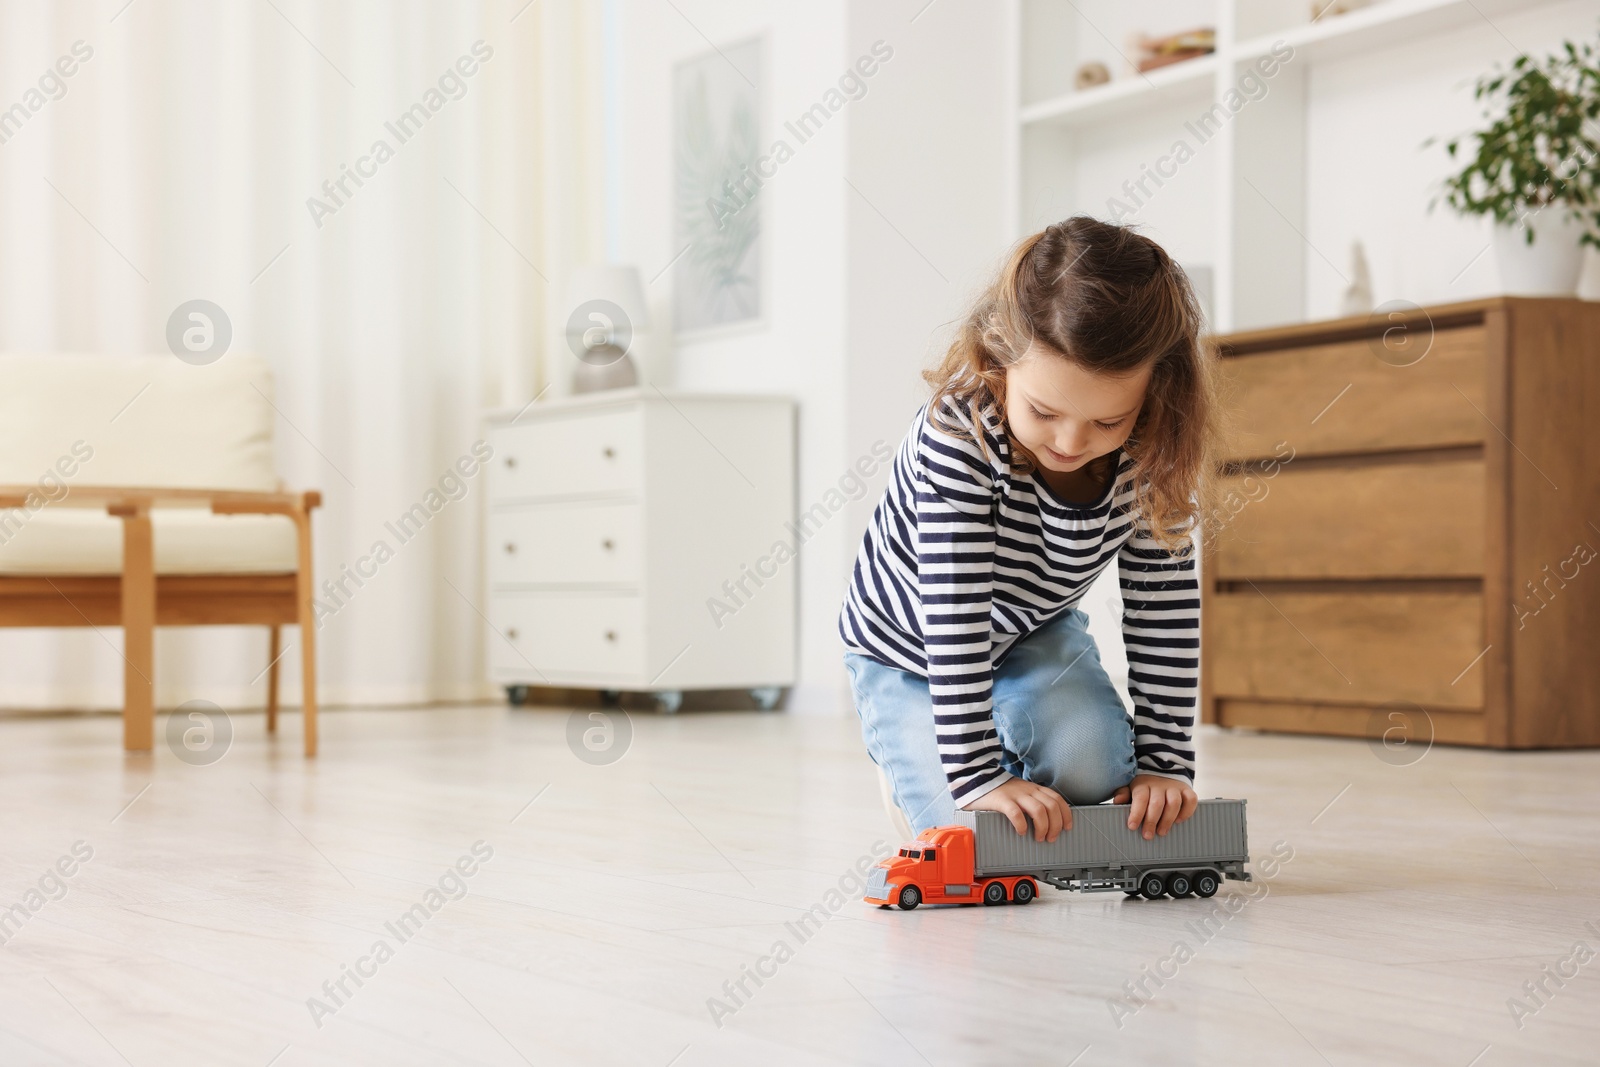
(278, 504)
(121, 500)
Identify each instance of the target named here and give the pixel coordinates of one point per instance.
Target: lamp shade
(616, 283)
(606, 314)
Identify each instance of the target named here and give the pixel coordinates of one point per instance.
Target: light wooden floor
(620, 898)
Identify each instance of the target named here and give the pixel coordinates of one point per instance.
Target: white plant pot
(1548, 267)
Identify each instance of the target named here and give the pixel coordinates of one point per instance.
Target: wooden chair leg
(305, 594)
(274, 650)
(138, 629)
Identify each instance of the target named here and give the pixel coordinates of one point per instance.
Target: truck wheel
(1023, 894)
(910, 897)
(1179, 885)
(1205, 883)
(994, 893)
(1152, 886)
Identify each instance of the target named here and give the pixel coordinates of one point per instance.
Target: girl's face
(1067, 415)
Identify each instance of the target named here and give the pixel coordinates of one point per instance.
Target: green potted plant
(1535, 168)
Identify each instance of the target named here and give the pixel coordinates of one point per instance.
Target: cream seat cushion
(151, 421)
(187, 541)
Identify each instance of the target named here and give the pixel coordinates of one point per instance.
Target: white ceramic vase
(1548, 267)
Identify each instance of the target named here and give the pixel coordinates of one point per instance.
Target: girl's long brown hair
(1112, 301)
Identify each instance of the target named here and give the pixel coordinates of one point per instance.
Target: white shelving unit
(1181, 81)
(1237, 203)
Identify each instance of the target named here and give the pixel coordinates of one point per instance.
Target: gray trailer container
(1101, 853)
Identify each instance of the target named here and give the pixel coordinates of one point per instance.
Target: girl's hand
(1049, 810)
(1157, 802)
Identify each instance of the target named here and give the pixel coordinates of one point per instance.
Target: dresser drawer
(1346, 647)
(1391, 520)
(1286, 396)
(1394, 726)
(587, 454)
(554, 636)
(566, 544)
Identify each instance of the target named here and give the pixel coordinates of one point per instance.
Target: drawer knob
(511, 461)
(511, 633)
(511, 548)
(611, 635)
(608, 544)
(609, 452)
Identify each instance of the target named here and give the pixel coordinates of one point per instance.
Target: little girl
(1071, 425)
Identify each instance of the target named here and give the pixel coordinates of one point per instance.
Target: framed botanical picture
(716, 115)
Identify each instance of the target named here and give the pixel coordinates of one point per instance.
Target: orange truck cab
(937, 868)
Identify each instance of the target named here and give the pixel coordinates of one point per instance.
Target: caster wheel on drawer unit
(610, 698)
(767, 696)
(516, 695)
(669, 700)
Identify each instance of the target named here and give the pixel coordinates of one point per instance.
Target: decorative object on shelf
(1091, 74)
(1357, 298)
(608, 311)
(1319, 8)
(1154, 52)
(1535, 169)
(716, 109)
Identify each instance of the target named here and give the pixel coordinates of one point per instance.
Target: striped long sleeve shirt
(963, 558)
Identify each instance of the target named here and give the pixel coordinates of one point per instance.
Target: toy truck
(992, 863)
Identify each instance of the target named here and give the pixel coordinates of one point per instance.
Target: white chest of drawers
(633, 545)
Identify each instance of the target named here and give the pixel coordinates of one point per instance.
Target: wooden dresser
(1410, 527)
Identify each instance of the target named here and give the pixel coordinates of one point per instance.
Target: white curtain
(177, 161)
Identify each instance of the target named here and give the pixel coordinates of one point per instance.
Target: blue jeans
(1059, 718)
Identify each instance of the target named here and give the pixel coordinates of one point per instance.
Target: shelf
(1132, 93)
(1245, 207)
(1390, 23)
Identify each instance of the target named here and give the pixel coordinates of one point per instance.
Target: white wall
(1370, 179)
(854, 310)
(798, 348)
(929, 205)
